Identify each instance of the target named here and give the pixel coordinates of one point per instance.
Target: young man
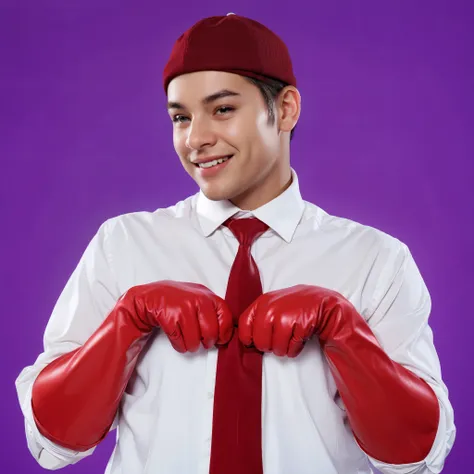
(243, 330)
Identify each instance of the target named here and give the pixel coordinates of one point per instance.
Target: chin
(216, 193)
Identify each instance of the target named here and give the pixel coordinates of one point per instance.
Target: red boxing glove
(76, 396)
(393, 413)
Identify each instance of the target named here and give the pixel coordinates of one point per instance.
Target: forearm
(393, 413)
(76, 396)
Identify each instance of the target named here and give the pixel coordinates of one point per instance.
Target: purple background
(385, 138)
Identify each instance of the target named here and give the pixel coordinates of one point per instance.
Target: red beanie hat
(230, 43)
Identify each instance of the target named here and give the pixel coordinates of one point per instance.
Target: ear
(289, 108)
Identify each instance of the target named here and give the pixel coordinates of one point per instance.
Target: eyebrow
(207, 100)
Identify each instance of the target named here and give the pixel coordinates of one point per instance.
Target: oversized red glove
(76, 396)
(393, 413)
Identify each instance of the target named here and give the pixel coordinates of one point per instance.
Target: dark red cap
(230, 43)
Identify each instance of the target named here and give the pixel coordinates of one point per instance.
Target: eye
(224, 109)
(178, 118)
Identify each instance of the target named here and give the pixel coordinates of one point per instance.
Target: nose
(200, 135)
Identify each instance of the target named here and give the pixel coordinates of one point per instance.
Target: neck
(261, 194)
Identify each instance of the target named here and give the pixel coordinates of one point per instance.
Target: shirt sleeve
(399, 318)
(88, 296)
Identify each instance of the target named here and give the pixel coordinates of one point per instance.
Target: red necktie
(237, 421)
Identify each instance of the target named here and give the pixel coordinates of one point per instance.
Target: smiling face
(218, 114)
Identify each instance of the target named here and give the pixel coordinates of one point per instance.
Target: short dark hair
(270, 90)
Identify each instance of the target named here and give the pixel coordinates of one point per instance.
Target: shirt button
(210, 395)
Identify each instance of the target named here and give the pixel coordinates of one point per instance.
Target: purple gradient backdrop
(385, 138)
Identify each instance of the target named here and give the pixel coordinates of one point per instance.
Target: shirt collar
(282, 214)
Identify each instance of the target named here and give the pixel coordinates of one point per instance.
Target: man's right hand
(188, 313)
(75, 397)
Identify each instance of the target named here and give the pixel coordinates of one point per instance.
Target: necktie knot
(246, 230)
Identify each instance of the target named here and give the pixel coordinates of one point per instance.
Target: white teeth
(210, 164)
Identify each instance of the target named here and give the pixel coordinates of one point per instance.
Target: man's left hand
(282, 321)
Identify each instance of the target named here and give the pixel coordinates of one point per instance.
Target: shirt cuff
(434, 461)
(49, 455)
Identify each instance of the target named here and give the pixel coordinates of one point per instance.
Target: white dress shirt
(164, 422)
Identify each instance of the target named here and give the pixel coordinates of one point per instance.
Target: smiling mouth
(210, 164)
